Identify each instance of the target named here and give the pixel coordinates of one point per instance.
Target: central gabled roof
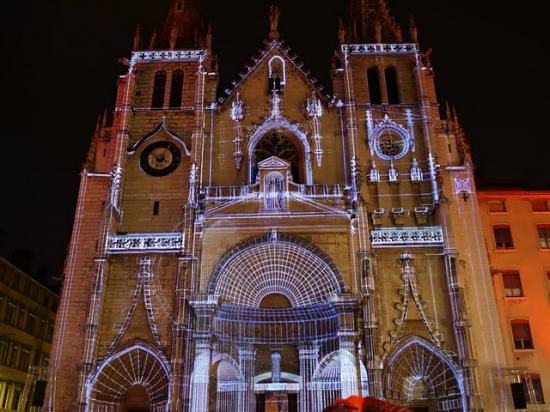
(274, 47)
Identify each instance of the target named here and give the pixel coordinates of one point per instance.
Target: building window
(392, 86)
(13, 356)
(4, 349)
(156, 208)
(522, 334)
(373, 78)
(159, 88)
(176, 90)
(539, 205)
(537, 388)
(24, 360)
(503, 237)
(15, 398)
(10, 315)
(496, 206)
(512, 285)
(544, 236)
(31, 324)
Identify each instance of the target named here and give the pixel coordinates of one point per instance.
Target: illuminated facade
(516, 224)
(278, 248)
(27, 316)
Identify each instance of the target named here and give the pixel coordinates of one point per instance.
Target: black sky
(59, 71)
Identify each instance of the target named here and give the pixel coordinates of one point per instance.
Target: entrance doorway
(276, 402)
(136, 400)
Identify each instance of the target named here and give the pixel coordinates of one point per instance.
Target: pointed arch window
(373, 77)
(176, 90)
(159, 88)
(392, 86)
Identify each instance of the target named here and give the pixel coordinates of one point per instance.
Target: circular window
(390, 145)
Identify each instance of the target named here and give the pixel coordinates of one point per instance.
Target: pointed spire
(413, 30)
(341, 31)
(137, 37)
(153, 41)
(373, 21)
(181, 26)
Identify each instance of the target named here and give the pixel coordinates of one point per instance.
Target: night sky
(59, 71)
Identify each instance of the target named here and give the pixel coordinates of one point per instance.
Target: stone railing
(319, 191)
(380, 48)
(407, 236)
(145, 242)
(167, 56)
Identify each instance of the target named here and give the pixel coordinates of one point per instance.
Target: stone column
(247, 364)
(200, 378)
(350, 373)
(309, 356)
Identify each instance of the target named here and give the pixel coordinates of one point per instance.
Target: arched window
(277, 74)
(277, 144)
(373, 78)
(159, 88)
(176, 91)
(391, 86)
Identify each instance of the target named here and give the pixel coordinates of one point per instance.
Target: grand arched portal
(276, 305)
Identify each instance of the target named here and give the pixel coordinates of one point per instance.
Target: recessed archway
(125, 375)
(418, 371)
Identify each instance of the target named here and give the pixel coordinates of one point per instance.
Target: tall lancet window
(392, 86)
(373, 78)
(277, 76)
(176, 90)
(159, 88)
(180, 5)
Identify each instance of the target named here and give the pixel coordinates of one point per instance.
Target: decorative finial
(209, 38)
(137, 37)
(153, 42)
(173, 36)
(378, 31)
(414, 31)
(341, 32)
(274, 15)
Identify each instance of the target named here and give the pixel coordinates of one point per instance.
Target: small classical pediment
(273, 163)
(160, 130)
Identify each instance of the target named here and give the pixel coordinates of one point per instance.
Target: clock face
(391, 146)
(160, 158)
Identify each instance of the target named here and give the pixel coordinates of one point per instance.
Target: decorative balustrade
(380, 48)
(407, 236)
(231, 193)
(145, 242)
(167, 56)
(319, 191)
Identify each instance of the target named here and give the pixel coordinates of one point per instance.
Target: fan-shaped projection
(294, 270)
(135, 366)
(419, 371)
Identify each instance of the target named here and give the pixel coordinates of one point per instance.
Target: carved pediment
(273, 162)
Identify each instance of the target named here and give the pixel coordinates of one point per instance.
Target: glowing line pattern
(137, 365)
(262, 267)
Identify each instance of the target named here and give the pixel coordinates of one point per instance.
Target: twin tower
(279, 248)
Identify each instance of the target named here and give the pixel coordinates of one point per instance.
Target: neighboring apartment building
(517, 231)
(27, 316)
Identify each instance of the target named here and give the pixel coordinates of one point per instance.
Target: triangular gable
(274, 47)
(273, 162)
(161, 128)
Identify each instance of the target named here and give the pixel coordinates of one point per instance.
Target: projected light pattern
(137, 365)
(283, 266)
(418, 370)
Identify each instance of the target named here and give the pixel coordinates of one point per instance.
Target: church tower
(278, 247)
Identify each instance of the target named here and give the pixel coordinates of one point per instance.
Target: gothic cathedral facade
(279, 248)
